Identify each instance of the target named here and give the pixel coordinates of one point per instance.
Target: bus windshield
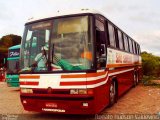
(13, 66)
(13, 59)
(60, 44)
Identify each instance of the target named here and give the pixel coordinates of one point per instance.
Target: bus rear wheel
(112, 93)
(135, 80)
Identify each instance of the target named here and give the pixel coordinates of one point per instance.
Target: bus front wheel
(112, 93)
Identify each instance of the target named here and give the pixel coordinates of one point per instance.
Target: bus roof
(63, 13)
(15, 47)
(70, 12)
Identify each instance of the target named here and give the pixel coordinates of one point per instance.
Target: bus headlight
(26, 90)
(74, 91)
(81, 91)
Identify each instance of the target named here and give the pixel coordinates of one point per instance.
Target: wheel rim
(135, 80)
(112, 93)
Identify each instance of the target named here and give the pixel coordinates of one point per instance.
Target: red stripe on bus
(84, 75)
(30, 77)
(96, 81)
(29, 83)
(96, 74)
(119, 65)
(74, 76)
(120, 69)
(74, 83)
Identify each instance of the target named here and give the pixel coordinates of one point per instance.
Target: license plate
(53, 110)
(51, 105)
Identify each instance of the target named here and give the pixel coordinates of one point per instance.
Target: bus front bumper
(59, 104)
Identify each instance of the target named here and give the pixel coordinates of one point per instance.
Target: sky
(140, 19)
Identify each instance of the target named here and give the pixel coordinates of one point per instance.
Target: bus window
(116, 38)
(37, 35)
(71, 45)
(121, 43)
(101, 48)
(133, 43)
(136, 48)
(129, 50)
(125, 42)
(130, 45)
(13, 59)
(139, 49)
(111, 35)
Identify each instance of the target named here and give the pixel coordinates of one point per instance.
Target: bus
(12, 77)
(2, 74)
(90, 63)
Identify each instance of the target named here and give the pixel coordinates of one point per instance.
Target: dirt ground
(139, 100)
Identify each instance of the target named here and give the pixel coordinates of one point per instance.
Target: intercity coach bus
(12, 77)
(90, 63)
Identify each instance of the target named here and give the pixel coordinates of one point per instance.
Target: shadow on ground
(46, 116)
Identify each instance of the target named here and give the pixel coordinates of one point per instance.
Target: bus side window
(139, 49)
(125, 42)
(100, 44)
(130, 45)
(116, 38)
(121, 42)
(111, 35)
(139, 52)
(134, 50)
(129, 50)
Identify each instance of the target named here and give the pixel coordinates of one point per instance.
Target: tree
(150, 64)
(6, 42)
(10, 40)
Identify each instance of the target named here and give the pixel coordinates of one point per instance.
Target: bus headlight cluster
(81, 91)
(8, 79)
(26, 90)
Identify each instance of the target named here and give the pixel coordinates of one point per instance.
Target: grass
(148, 81)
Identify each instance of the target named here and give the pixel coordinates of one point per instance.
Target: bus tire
(112, 93)
(135, 79)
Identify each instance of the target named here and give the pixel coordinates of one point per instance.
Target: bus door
(101, 48)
